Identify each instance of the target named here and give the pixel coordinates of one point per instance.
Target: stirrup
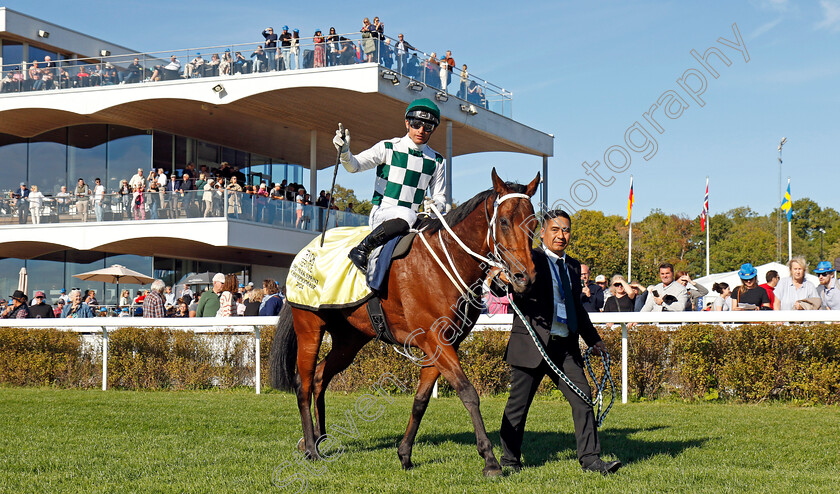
(358, 258)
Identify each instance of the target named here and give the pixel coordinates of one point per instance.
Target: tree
(600, 242)
(344, 196)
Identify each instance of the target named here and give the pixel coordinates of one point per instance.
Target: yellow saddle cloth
(324, 277)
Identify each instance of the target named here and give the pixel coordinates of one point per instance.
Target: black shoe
(602, 467)
(359, 258)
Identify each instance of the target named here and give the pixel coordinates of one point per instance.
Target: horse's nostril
(519, 278)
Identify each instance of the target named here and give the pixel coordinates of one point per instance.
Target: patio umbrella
(23, 280)
(116, 274)
(205, 278)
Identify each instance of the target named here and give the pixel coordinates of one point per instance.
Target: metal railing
(201, 325)
(251, 58)
(189, 204)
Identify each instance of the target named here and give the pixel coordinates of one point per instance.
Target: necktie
(568, 298)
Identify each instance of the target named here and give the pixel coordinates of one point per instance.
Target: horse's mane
(460, 213)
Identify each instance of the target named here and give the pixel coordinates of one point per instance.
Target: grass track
(119, 441)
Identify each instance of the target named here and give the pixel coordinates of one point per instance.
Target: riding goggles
(416, 123)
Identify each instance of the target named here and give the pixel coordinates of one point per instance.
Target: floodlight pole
(781, 198)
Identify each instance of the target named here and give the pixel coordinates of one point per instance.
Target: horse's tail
(283, 355)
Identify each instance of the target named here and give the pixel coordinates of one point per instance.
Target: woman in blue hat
(405, 167)
(749, 296)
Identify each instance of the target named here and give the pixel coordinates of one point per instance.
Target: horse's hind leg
(428, 376)
(346, 343)
(310, 330)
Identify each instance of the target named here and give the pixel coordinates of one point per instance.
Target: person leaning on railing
(17, 308)
(76, 308)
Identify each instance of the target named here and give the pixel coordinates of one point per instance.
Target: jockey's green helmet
(423, 109)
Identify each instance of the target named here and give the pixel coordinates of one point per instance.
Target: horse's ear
(532, 187)
(498, 185)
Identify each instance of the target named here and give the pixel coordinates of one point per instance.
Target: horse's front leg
(450, 366)
(428, 376)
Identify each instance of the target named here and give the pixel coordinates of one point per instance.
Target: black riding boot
(379, 236)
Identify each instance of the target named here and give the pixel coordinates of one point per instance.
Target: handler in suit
(553, 308)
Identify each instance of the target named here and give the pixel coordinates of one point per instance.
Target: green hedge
(748, 363)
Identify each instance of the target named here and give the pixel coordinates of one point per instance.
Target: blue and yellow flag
(787, 204)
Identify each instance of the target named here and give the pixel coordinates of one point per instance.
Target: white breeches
(379, 214)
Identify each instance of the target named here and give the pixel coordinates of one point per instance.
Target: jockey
(405, 167)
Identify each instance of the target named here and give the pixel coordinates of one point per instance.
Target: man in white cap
(208, 305)
(405, 167)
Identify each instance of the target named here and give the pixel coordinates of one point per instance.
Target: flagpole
(630, 238)
(707, 229)
(790, 246)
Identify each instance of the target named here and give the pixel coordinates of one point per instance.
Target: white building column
(449, 162)
(313, 165)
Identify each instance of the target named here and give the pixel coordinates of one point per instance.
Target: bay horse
(418, 293)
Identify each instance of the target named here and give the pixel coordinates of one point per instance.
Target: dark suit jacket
(538, 307)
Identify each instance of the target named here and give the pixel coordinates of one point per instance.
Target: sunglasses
(826, 274)
(416, 124)
(617, 285)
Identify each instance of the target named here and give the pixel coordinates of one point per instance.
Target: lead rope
(599, 385)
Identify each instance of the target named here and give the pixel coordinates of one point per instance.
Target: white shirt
(161, 180)
(788, 294)
(557, 328)
(99, 193)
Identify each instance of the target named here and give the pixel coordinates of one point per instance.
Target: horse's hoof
(407, 465)
(492, 471)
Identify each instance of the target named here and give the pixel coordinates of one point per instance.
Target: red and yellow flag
(629, 203)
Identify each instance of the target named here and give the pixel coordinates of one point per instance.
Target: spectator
(497, 305)
(285, 48)
(622, 296)
(300, 200)
(447, 65)
(332, 47)
(183, 309)
(465, 79)
(82, 199)
(152, 196)
(98, 198)
(795, 287)
(63, 296)
(168, 297)
(90, 298)
(195, 68)
(207, 197)
(272, 299)
(772, 278)
(749, 296)
(241, 65)
(125, 199)
(227, 304)
(320, 57)
(601, 281)
(193, 305)
(226, 63)
(76, 308)
(641, 296)
(347, 52)
(40, 309)
(141, 296)
(695, 291)
(827, 289)
(172, 70)
(138, 180)
(133, 73)
(667, 295)
(295, 51)
(270, 43)
(259, 59)
(59, 308)
(432, 71)
(591, 294)
(17, 308)
(234, 199)
(36, 204)
(125, 299)
(208, 305)
(401, 48)
(153, 303)
(62, 200)
(21, 195)
(139, 204)
(187, 292)
(724, 301)
(252, 305)
(368, 39)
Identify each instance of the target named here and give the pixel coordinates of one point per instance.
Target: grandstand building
(72, 106)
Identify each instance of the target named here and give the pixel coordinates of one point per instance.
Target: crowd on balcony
(284, 50)
(192, 193)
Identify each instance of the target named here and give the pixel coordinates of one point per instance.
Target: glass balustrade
(412, 67)
(186, 205)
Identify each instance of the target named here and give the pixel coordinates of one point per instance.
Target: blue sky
(584, 72)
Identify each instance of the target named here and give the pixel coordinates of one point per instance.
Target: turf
(234, 441)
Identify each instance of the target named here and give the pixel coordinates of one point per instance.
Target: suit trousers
(524, 384)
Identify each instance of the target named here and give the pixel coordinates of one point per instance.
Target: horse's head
(513, 230)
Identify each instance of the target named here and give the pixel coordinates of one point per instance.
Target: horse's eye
(504, 222)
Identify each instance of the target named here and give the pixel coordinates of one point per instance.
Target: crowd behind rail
(226, 297)
(284, 50)
(194, 193)
(678, 292)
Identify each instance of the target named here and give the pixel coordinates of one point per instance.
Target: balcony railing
(414, 68)
(187, 205)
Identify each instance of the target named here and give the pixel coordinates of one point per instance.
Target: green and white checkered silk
(404, 177)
